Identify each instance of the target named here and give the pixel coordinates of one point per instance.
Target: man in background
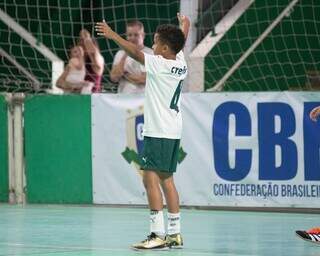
(127, 72)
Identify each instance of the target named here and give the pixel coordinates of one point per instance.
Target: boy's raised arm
(103, 29)
(184, 24)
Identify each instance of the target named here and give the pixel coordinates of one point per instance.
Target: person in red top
(313, 234)
(94, 61)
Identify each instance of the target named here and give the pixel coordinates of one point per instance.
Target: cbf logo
(133, 151)
(278, 149)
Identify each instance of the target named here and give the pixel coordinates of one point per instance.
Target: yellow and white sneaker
(153, 242)
(174, 241)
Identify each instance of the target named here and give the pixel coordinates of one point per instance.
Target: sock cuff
(155, 212)
(173, 215)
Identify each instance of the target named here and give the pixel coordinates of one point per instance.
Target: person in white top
(165, 72)
(72, 80)
(127, 72)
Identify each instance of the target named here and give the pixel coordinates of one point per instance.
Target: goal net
(36, 36)
(242, 45)
(274, 45)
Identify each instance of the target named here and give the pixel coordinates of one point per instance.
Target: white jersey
(133, 67)
(162, 113)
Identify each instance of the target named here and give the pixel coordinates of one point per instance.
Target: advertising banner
(237, 149)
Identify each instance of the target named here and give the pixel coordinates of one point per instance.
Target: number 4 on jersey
(176, 96)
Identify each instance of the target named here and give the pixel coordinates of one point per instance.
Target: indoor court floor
(60, 230)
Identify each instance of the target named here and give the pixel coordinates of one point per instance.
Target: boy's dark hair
(172, 36)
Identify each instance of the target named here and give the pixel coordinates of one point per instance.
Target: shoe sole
(308, 240)
(150, 249)
(176, 247)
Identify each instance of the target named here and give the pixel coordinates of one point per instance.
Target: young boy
(165, 72)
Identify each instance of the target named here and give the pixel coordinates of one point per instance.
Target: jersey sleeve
(180, 56)
(152, 63)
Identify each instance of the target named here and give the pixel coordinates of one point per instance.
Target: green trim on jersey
(160, 154)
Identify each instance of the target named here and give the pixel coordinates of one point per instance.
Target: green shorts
(160, 154)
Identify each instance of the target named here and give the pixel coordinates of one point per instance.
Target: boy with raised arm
(165, 72)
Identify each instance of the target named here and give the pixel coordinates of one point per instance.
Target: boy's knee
(167, 185)
(148, 181)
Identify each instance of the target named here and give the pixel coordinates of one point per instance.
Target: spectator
(94, 61)
(128, 73)
(72, 79)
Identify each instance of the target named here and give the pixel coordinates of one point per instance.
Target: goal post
(57, 64)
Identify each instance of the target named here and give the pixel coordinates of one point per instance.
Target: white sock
(157, 223)
(173, 223)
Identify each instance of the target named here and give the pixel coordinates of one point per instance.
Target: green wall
(281, 61)
(4, 182)
(58, 149)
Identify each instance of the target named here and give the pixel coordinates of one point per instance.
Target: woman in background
(72, 79)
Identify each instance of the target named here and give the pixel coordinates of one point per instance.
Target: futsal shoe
(153, 242)
(174, 241)
(312, 235)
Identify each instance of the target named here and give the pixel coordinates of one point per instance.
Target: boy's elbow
(140, 57)
(133, 53)
(136, 54)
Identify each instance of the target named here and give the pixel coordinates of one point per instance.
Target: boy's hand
(103, 29)
(131, 49)
(184, 24)
(183, 20)
(314, 114)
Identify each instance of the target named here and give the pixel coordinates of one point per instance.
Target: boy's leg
(170, 192)
(151, 183)
(162, 155)
(174, 238)
(156, 239)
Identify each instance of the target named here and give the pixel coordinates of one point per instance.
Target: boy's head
(135, 32)
(168, 39)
